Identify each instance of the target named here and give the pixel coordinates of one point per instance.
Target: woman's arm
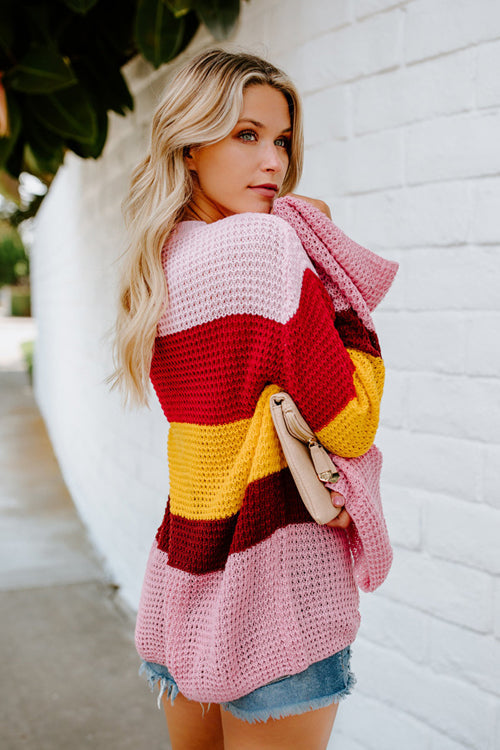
(321, 205)
(336, 385)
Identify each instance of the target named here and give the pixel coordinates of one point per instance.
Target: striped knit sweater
(242, 586)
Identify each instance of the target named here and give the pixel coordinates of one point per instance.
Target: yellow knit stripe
(212, 465)
(352, 432)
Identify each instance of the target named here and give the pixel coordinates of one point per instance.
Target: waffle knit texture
(242, 586)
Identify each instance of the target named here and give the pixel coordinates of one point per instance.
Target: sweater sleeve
(369, 542)
(337, 387)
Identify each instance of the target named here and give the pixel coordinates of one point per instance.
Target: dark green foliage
(41, 70)
(80, 6)
(158, 32)
(68, 113)
(219, 16)
(61, 62)
(180, 7)
(14, 263)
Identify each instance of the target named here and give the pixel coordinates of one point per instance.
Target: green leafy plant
(60, 70)
(14, 263)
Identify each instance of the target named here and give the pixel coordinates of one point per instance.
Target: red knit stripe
(205, 379)
(202, 546)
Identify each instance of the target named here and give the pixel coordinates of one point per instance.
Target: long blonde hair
(201, 106)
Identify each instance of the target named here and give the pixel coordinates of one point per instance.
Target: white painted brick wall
(402, 110)
(437, 27)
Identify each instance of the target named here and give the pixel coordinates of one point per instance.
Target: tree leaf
(104, 24)
(80, 6)
(94, 149)
(219, 16)
(41, 71)
(116, 30)
(43, 147)
(180, 7)
(40, 163)
(99, 72)
(191, 25)
(113, 92)
(34, 23)
(68, 113)
(6, 25)
(158, 33)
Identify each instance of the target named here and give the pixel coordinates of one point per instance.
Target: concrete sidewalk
(69, 665)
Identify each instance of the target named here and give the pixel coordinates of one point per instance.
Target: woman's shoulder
(252, 221)
(240, 229)
(237, 265)
(239, 251)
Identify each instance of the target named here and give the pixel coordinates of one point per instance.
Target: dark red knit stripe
(354, 333)
(202, 546)
(214, 373)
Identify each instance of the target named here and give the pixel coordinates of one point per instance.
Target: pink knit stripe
(368, 536)
(200, 260)
(218, 641)
(347, 269)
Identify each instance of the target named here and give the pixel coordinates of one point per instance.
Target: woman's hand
(324, 207)
(343, 519)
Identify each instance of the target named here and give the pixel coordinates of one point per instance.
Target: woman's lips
(265, 191)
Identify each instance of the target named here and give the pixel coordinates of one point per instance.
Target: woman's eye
(284, 142)
(247, 135)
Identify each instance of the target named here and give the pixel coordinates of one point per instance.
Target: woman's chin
(261, 207)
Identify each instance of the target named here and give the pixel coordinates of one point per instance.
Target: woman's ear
(188, 158)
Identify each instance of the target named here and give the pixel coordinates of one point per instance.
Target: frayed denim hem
(294, 709)
(167, 686)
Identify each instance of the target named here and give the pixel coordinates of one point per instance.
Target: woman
(248, 607)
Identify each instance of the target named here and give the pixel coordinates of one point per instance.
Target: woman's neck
(201, 208)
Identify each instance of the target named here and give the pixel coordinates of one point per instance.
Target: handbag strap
(299, 429)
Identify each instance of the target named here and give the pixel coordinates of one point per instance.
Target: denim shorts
(322, 683)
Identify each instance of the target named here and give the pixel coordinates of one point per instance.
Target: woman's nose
(271, 159)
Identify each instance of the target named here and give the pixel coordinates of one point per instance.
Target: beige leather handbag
(307, 458)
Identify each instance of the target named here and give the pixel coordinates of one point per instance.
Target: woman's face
(245, 170)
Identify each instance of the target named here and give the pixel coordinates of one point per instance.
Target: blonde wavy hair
(200, 106)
